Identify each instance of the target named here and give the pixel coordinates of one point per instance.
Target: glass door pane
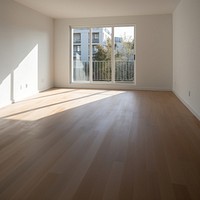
(124, 53)
(101, 54)
(80, 50)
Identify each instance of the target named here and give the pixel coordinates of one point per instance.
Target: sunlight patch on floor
(52, 102)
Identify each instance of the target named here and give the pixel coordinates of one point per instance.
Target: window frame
(112, 56)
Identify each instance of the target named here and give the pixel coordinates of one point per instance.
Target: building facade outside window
(77, 37)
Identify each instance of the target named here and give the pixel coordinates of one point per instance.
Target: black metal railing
(102, 71)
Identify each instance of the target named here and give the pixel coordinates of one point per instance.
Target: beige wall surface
(186, 58)
(26, 52)
(153, 50)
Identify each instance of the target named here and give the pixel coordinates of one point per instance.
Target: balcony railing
(102, 71)
(124, 70)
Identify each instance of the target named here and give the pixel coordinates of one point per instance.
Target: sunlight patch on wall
(26, 76)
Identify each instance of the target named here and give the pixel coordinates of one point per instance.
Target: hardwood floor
(68, 144)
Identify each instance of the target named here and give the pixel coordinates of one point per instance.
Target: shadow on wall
(20, 81)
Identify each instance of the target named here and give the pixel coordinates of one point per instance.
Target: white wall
(153, 50)
(186, 48)
(26, 52)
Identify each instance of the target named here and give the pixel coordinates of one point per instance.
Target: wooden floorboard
(71, 144)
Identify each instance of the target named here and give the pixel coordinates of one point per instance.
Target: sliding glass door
(103, 54)
(124, 54)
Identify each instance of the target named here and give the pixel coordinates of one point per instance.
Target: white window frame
(112, 56)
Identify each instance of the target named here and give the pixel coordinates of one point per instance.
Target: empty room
(99, 100)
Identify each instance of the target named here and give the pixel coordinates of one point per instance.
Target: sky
(127, 31)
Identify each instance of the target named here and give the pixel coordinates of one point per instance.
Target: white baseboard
(115, 87)
(188, 106)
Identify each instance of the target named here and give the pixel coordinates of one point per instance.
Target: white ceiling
(100, 8)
